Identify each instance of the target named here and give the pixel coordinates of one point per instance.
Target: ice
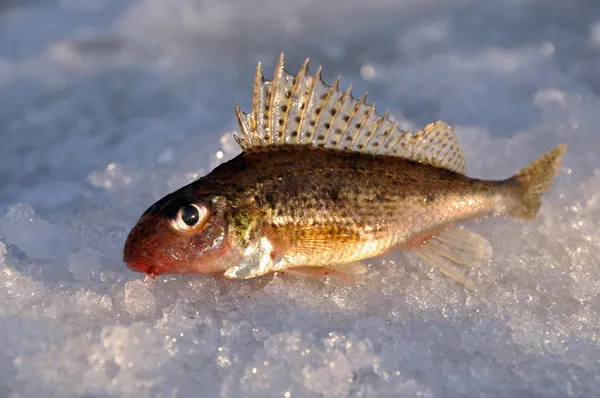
(106, 106)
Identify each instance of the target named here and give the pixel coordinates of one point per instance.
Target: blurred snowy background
(107, 105)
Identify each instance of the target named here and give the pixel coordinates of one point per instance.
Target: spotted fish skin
(323, 182)
(331, 207)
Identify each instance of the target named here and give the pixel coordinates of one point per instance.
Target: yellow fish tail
(534, 181)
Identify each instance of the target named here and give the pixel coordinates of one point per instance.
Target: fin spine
(334, 87)
(299, 78)
(363, 123)
(340, 103)
(378, 124)
(277, 76)
(388, 146)
(361, 102)
(257, 104)
(309, 99)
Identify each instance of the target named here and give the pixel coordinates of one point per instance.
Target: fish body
(351, 206)
(323, 182)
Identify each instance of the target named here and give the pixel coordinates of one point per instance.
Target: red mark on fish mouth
(136, 266)
(143, 267)
(151, 270)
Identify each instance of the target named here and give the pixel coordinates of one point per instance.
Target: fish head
(185, 232)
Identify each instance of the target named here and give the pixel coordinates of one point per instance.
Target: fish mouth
(144, 267)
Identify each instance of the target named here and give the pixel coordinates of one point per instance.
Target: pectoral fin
(260, 262)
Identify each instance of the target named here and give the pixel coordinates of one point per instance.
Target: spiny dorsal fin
(303, 110)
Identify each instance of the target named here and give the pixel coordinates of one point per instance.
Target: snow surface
(105, 106)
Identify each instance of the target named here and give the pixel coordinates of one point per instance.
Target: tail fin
(534, 181)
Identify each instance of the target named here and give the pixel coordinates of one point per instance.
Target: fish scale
(311, 187)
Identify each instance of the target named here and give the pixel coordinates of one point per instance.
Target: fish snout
(134, 260)
(136, 253)
(139, 266)
(138, 262)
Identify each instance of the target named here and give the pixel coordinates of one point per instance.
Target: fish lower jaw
(145, 267)
(157, 268)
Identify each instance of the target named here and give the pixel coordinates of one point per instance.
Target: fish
(323, 183)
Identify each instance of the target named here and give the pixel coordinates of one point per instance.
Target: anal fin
(452, 248)
(352, 272)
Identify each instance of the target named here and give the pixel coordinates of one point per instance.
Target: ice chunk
(36, 237)
(85, 265)
(138, 298)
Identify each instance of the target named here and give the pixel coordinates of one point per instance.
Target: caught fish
(324, 182)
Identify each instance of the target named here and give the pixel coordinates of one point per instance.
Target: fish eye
(189, 218)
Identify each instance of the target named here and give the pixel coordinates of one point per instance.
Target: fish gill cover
(107, 106)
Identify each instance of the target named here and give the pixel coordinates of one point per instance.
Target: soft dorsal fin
(303, 110)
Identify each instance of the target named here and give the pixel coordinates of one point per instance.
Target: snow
(106, 106)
